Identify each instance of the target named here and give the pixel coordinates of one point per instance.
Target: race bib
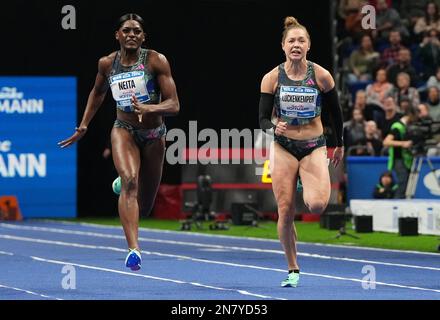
(127, 84)
(297, 102)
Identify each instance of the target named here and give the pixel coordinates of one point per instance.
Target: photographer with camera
(391, 115)
(428, 129)
(400, 154)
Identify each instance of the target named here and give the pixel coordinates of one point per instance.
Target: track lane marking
(221, 247)
(197, 284)
(78, 245)
(195, 234)
(29, 292)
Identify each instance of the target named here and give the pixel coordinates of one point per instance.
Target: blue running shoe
(116, 186)
(133, 260)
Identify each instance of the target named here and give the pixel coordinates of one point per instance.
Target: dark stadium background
(218, 52)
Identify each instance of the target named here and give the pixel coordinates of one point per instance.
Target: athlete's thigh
(315, 176)
(283, 171)
(151, 168)
(126, 156)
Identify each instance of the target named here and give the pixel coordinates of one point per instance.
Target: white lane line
(214, 250)
(78, 245)
(369, 248)
(62, 243)
(112, 236)
(222, 247)
(29, 292)
(6, 253)
(195, 234)
(400, 265)
(197, 284)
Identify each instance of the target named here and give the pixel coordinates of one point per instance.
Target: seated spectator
(404, 104)
(391, 116)
(424, 111)
(374, 3)
(380, 89)
(430, 21)
(360, 102)
(425, 115)
(390, 54)
(369, 111)
(362, 61)
(351, 12)
(354, 131)
(387, 19)
(434, 80)
(412, 10)
(429, 53)
(347, 6)
(386, 188)
(434, 103)
(373, 138)
(404, 90)
(402, 65)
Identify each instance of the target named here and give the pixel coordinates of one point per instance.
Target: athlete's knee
(285, 208)
(286, 213)
(317, 205)
(129, 183)
(285, 219)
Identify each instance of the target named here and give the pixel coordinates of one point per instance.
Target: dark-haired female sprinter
(144, 91)
(296, 90)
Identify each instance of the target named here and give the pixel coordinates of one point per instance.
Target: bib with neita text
(127, 84)
(297, 102)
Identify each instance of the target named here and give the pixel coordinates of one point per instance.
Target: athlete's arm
(170, 101)
(331, 101)
(98, 92)
(268, 87)
(96, 96)
(266, 103)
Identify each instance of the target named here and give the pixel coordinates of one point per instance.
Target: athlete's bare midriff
(314, 128)
(306, 131)
(148, 122)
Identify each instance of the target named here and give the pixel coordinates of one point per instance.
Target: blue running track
(39, 258)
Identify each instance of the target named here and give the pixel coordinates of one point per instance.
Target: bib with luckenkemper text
(297, 102)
